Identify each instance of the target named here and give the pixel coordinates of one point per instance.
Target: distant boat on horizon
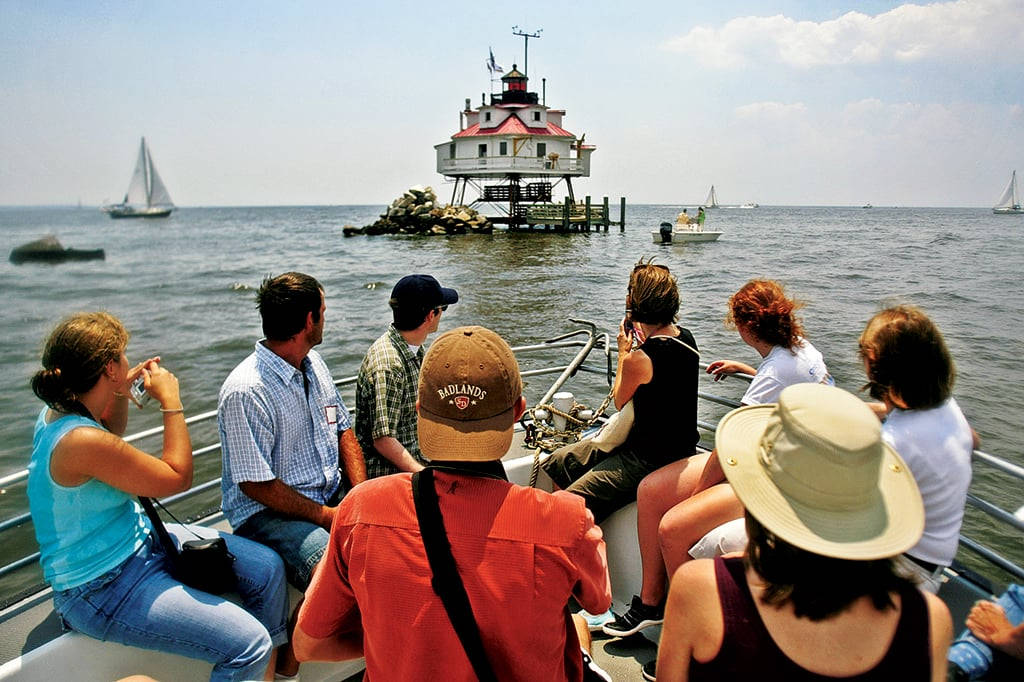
(750, 204)
(712, 200)
(1009, 202)
(147, 197)
(867, 206)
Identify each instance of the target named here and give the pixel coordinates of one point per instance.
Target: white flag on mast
(492, 65)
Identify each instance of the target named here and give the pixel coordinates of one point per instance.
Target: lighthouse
(513, 151)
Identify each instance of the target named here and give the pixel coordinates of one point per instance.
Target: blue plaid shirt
(269, 429)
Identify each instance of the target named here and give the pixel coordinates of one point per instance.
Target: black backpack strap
(446, 581)
(161, 532)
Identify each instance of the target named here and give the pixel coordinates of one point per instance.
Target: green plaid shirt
(386, 399)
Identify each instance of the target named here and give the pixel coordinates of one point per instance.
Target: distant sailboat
(1009, 203)
(146, 197)
(712, 200)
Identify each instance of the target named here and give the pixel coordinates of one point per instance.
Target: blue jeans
(301, 544)
(140, 604)
(974, 656)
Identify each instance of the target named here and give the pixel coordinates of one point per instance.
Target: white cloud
(909, 33)
(770, 110)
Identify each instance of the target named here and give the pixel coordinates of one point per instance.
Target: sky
(813, 102)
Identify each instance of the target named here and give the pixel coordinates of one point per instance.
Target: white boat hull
(687, 237)
(1008, 211)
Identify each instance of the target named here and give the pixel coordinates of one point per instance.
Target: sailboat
(1009, 203)
(146, 196)
(712, 200)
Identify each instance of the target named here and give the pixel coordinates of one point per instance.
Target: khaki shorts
(607, 481)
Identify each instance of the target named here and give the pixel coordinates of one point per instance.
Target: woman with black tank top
(657, 369)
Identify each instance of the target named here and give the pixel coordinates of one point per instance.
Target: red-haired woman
(681, 502)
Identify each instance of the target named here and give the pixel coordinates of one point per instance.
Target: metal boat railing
(593, 339)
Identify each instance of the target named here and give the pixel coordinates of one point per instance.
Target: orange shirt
(521, 553)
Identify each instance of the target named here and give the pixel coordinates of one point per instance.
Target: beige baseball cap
(468, 390)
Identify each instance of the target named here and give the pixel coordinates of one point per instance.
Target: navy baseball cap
(421, 291)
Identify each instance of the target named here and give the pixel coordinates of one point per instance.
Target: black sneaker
(596, 671)
(648, 670)
(639, 616)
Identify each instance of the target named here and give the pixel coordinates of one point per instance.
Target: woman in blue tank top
(110, 577)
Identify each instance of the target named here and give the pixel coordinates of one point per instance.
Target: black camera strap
(446, 581)
(158, 527)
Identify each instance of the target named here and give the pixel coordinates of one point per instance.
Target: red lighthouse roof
(513, 125)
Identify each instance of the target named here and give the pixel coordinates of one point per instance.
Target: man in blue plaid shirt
(286, 439)
(389, 375)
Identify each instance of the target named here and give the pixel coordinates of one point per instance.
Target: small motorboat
(49, 250)
(682, 233)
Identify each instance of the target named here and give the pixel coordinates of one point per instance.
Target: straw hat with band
(469, 388)
(813, 469)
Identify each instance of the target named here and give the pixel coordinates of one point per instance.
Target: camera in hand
(627, 322)
(138, 390)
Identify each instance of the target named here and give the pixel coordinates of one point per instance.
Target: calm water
(184, 286)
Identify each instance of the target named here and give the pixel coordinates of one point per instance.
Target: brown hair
(653, 293)
(906, 358)
(285, 301)
(817, 586)
(75, 356)
(762, 307)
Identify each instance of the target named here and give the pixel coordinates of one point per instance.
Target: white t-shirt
(936, 444)
(783, 367)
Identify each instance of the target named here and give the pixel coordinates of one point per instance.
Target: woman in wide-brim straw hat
(817, 595)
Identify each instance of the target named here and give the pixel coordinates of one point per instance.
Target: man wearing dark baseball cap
(520, 553)
(386, 387)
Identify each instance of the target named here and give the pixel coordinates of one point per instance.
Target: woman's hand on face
(133, 374)
(624, 337)
(162, 385)
(135, 371)
(721, 368)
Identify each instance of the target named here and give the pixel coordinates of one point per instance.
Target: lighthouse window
(536, 116)
(481, 150)
(451, 150)
(503, 148)
(487, 116)
(542, 149)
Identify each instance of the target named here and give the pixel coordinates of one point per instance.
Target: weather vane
(516, 31)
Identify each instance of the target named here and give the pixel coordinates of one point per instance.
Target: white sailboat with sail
(712, 200)
(1009, 203)
(147, 197)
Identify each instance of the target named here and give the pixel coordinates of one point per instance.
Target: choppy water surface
(184, 286)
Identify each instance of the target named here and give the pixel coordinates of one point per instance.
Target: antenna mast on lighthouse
(516, 31)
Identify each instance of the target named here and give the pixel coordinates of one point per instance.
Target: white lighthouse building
(513, 151)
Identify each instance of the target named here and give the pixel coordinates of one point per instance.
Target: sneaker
(596, 671)
(638, 617)
(594, 623)
(648, 670)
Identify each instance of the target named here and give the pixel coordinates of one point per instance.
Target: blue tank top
(83, 531)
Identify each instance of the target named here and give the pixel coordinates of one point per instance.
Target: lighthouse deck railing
(516, 164)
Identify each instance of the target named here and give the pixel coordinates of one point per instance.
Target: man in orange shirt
(520, 552)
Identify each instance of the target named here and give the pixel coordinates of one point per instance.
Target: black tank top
(748, 651)
(665, 408)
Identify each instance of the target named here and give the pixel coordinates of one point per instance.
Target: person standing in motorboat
(817, 595)
(680, 503)
(911, 371)
(683, 218)
(111, 579)
(701, 216)
(658, 367)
